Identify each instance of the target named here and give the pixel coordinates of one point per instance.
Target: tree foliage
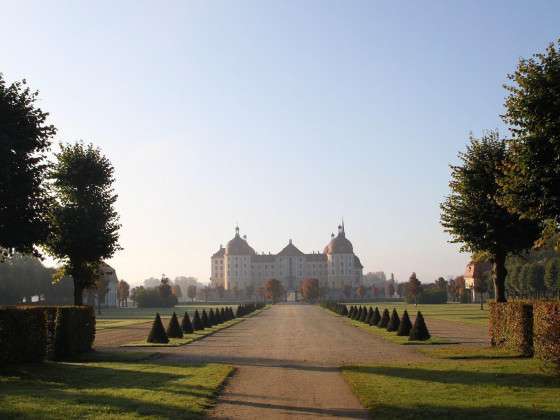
(532, 171)
(274, 290)
(84, 222)
(472, 213)
(25, 138)
(310, 289)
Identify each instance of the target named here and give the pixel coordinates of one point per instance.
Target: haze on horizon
(284, 117)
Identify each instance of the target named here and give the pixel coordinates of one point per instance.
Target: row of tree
(505, 192)
(65, 207)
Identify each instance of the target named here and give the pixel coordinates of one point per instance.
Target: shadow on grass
(430, 412)
(460, 376)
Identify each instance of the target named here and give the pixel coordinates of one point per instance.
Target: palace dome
(339, 244)
(238, 246)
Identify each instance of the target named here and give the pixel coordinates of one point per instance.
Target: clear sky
(283, 116)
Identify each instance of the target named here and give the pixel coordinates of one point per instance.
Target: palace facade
(238, 265)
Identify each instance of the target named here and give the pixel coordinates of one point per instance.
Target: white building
(238, 265)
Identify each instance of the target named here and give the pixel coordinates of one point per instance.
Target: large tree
(274, 290)
(473, 215)
(25, 137)
(532, 182)
(84, 222)
(310, 289)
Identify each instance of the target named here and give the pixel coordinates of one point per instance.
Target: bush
(344, 310)
(384, 319)
(376, 317)
(151, 298)
(174, 329)
(405, 326)
(369, 315)
(197, 322)
(511, 326)
(218, 317)
(223, 314)
(70, 330)
(186, 324)
(211, 318)
(23, 335)
(546, 316)
(157, 333)
(204, 319)
(419, 331)
(394, 322)
(429, 296)
(363, 318)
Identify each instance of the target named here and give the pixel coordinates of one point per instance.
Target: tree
(274, 290)
(390, 290)
(481, 286)
(165, 290)
(123, 292)
(414, 287)
(191, 292)
(405, 326)
(101, 289)
(157, 333)
(441, 283)
(472, 213)
(24, 140)
(84, 223)
(552, 274)
(532, 170)
(310, 289)
(535, 277)
(176, 290)
(419, 331)
(360, 291)
(394, 321)
(174, 329)
(186, 324)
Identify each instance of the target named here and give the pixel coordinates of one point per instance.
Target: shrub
(23, 335)
(428, 296)
(369, 315)
(231, 313)
(186, 324)
(344, 311)
(157, 333)
(364, 315)
(211, 318)
(218, 317)
(223, 314)
(70, 330)
(351, 312)
(173, 328)
(197, 322)
(384, 319)
(152, 298)
(405, 326)
(419, 331)
(511, 326)
(204, 319)
(376, 317)
(394, 322)
(546, 317)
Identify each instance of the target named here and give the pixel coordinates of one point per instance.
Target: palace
(238, 265)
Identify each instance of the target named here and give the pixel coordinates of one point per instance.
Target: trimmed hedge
(35, 333)
(511, 326)
(546, 316)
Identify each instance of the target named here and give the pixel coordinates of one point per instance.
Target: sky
(282, 116)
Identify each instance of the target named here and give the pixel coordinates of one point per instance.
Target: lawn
(120, 386)
(393, 337)
(468, 313)
(479, 384)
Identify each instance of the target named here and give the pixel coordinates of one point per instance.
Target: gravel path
(288, 360)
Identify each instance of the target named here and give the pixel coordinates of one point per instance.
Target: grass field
(394, 338)
(149, 313)
(463, 383)
(468, 313)
(120, 386)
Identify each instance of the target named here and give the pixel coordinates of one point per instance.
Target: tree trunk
(78, 293)
(481, 307)
(499, 273)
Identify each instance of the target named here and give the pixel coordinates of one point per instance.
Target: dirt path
(287, 361)
(120, 335)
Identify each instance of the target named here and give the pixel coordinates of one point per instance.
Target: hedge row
(546, 329)
(511, 326)
(35, 333)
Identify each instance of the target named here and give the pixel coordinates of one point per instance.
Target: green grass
(394, 338)
(459, 389)
(120, 386)
(466, 313)
(471, 352)
(107, 324)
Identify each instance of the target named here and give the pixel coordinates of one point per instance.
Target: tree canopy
(25, 137)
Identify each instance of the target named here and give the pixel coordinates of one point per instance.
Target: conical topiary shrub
(344, 311)
(363, 317)
(174, 329)
(369, 315)
(384, 319)
(157, 333)
(197, 322)
(211, 317)
(419, 331)
(405, 325)
(351, 312)
(231, 314)
(359, 314)
(223, 314)
(204, 319)
(186, 325)
(375, 317)
(394, 322)
(218, 317)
